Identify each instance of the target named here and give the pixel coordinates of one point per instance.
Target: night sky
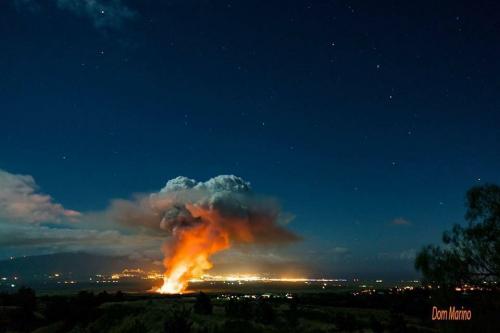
(367, 120)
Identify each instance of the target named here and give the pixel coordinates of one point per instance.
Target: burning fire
(187, 256)
(201, 219)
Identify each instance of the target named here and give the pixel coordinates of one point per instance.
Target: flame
(187, 254)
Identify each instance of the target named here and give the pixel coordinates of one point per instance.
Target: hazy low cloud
(407, 255)
(31, 222)
(340, 251)
(104, 14)
(400, 221)
(21, 201)
(327, 255)
(39, 239)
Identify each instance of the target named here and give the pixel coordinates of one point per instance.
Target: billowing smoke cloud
(203, 218)
(183, 203)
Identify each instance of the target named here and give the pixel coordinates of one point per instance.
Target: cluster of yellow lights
(153, 275)
(252, 278)
(466, 287)
(171, 287)
(137, 273)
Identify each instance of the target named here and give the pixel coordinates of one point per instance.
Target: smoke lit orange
(201, 219)
(187, 254)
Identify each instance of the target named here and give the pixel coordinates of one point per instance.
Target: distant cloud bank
(32, 222)
(21, 201)
(400, 221)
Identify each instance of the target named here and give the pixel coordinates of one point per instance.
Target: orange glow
(187, 255)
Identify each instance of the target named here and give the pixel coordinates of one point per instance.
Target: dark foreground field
(341, 311)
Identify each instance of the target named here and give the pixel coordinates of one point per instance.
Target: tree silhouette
(470, 254)
(203, 304)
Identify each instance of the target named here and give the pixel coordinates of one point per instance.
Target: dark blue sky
(353, 114)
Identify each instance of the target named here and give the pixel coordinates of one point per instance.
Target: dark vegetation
(86, 312)
(470, 254)
(469, 258)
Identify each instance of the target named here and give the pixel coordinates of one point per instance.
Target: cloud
(401, 221)
(330, 254)
(405, 255)
(35, 239)
(39, 239)
(21, 201)
(31, 222)
(104, 14)
(340, 251)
